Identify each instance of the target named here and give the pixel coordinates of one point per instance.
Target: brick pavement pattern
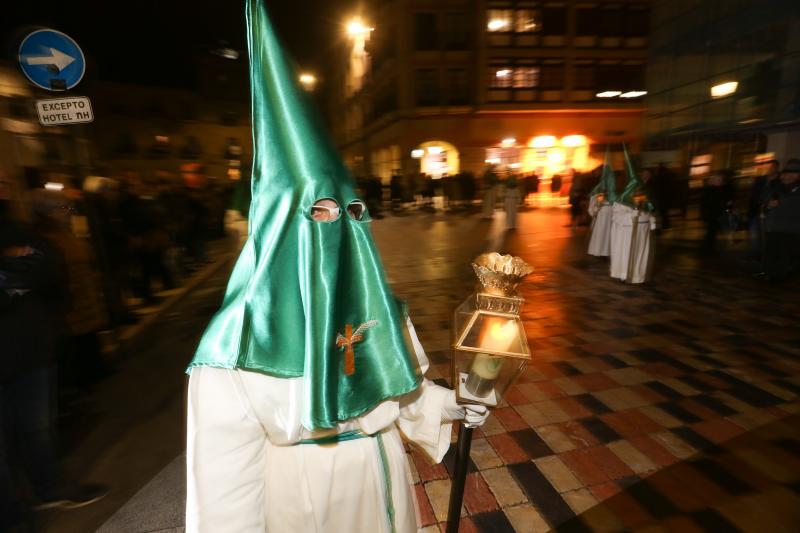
(626, 382)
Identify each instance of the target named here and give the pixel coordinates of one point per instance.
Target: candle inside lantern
(498, 337)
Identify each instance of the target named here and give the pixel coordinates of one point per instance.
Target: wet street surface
(635, 392)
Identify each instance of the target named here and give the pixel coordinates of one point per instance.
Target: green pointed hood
(607, 183)
(634, 185)
(306, 298)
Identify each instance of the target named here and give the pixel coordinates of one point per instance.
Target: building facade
(148, 130)
(445, 86)
(724, 83)
(27, 148)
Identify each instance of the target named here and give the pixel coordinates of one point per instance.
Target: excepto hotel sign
(58, 111)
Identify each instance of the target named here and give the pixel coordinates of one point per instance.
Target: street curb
(129, 336)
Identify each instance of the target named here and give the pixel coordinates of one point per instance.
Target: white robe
(511, 203)
(246, 471)
(631, 246)
(600, 239)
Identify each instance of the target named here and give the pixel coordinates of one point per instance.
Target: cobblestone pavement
(632, 400)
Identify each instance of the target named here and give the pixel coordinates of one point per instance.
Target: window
(552, 76)
(508, 20)
(191, 149)
(637, 21)
(458, 86)
(427, 87)
(526, 77)
(619, 77)
(385, 101)
(554, 20)
(527, 21)
(586, 21)
(500, 20)
(501, 77)
(425, 33)
(456, 31)
(610, 22)
(513, 76)
(584, 75)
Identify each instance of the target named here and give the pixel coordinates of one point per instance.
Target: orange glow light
(573, 140)
(543, 141)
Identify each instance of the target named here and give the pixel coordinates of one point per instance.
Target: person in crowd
(716, 200)
(396, 190)
(782, 257)
(197, 228)
(489, 190)
(32, 300)
(411, 188)
(578, 202)
(374, 193)
(428, 192)
(145, 220)
(662, 193)
(466, 185)
(85, 308)
(511, 200)
(555, 183)
(760, 194)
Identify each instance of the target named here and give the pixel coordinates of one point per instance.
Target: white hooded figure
(631, 243)
(600, 240)
(632, 225)
(310, 374)
(603, 196)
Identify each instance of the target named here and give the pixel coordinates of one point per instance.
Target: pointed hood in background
(634, 186)
(607, 184)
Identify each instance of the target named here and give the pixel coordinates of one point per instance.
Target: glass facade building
(724, 79)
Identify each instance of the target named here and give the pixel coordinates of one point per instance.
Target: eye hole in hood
(325, 210)
(357, 210)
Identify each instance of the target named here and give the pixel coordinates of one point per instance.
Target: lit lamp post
(490, 350)
(308, 81)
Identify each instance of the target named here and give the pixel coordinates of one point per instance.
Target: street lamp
(724, 89)
(508, 142)
(308, 81)
(357, 28)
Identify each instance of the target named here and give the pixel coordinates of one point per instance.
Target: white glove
(473, 415)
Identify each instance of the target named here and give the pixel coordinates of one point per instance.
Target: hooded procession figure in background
(603, 196)
(632, 224)
(311, 370)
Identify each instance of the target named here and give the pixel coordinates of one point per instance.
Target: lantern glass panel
(490, 347)
(483, 378)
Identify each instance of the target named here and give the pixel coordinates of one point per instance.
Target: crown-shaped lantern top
(500, 274)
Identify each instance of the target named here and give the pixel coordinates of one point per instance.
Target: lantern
(490, 349)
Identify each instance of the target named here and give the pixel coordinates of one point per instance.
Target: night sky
(153, 41)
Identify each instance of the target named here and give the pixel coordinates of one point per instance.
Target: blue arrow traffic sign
(51, 60)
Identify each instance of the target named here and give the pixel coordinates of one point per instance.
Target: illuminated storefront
(545, 156)
(437, 158)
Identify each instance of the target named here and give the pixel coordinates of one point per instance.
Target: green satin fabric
(297, 282)
(607, 184)
(633, 186)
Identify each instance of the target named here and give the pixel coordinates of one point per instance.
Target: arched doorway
(437, 158)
